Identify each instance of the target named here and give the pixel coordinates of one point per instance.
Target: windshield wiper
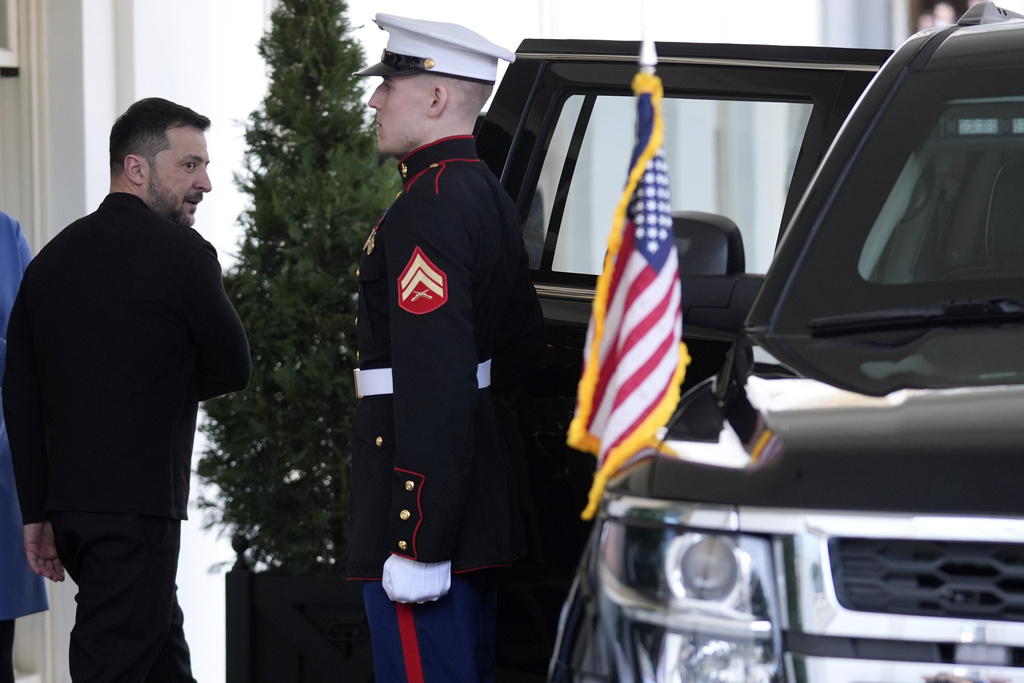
(956, 312)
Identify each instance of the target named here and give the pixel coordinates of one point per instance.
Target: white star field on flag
(651, 210)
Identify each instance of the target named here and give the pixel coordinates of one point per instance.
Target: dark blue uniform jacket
(444, 286)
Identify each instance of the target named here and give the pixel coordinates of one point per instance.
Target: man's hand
(41, 551)
(406, 580)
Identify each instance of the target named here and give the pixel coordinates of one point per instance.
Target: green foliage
(280, 449)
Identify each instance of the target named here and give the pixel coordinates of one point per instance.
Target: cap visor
(382, 69)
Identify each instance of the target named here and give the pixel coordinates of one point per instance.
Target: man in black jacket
(120, 328)
(445, 306)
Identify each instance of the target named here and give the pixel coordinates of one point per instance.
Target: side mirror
(717, 294)
(708, 244)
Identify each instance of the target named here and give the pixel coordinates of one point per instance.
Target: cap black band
(394, 64)
(402, 62)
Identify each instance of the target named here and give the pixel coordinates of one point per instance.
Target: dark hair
(142, 129)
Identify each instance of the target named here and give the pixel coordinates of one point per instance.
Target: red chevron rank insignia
(422, 286)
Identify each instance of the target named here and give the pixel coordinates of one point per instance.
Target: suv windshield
(956, 210)
(919, 260)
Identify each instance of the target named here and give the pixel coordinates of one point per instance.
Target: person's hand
(406, 580)
(41, 551)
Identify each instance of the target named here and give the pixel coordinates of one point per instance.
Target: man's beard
(165, 205)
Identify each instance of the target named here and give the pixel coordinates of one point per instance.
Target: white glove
(406, 580)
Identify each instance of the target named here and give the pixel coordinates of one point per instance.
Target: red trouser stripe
(410, 644)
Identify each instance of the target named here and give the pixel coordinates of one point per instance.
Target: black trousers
(128, 625)
(6, 650)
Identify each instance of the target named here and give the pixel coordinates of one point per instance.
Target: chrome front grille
(930, 578)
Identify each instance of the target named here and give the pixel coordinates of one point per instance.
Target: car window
(955, 210)
(927, 211)
(731, 157)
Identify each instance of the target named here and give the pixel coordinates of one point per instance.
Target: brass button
(403, 545)
(379, 442)
(405, 514)
(409, 486)
(428, 63)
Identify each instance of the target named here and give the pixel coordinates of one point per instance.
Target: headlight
(702, 567)
(684, 606)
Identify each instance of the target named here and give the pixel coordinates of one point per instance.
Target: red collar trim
(435, 142)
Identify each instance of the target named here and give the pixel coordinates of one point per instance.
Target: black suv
(847, 503)
(746, 127)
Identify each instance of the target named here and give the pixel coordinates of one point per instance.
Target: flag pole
(648, 56)
(648, 53)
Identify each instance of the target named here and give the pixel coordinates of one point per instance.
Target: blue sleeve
(14, 257)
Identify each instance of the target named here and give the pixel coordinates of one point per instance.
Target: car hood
(803, 443)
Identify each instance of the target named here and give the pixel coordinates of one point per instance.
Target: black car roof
(971, 46)
(802, 56)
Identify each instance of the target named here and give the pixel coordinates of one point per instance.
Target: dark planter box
(300, 630)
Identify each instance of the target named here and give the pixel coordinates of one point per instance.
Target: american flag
(634, 359)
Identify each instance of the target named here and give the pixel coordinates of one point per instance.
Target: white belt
(378, 381)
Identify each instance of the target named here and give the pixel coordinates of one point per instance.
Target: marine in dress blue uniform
(446, 309)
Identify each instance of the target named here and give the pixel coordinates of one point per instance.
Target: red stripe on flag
(637, 333)
(638, 407)
(613, 368)
(643, 375)
(609, 367)
(610, 349)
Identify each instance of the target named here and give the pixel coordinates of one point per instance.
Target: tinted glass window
(912, 274)
(923, 212)
(956, 210)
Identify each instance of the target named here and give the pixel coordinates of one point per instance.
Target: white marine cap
(419, 46)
